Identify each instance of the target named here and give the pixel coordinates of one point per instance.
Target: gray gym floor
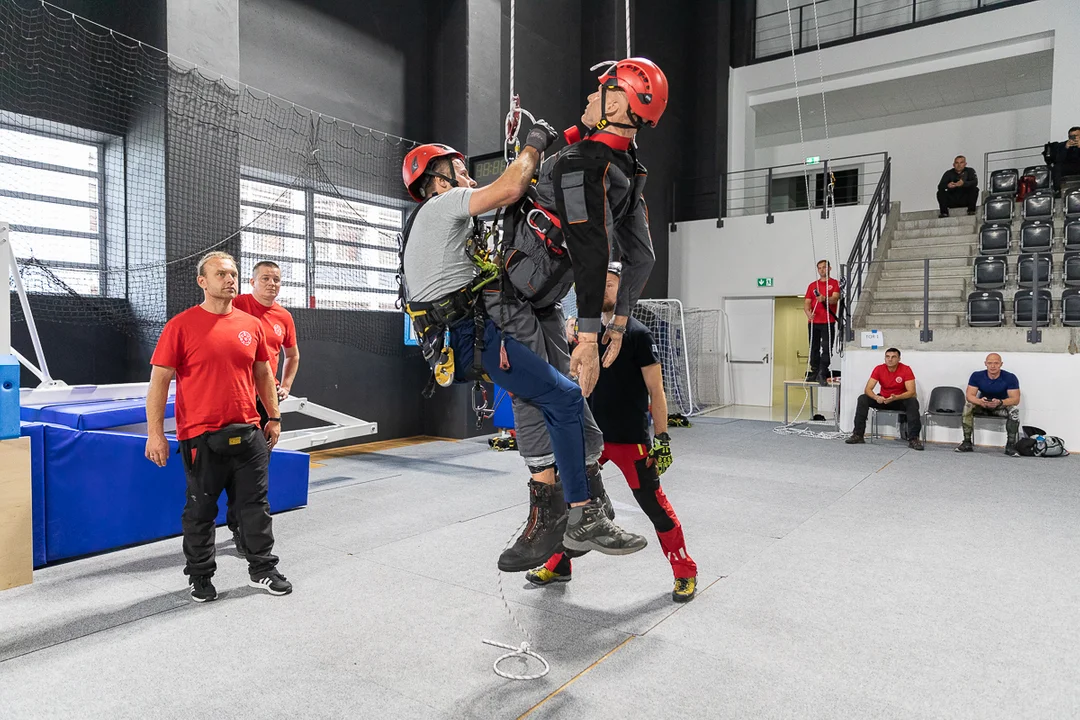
(836, 582)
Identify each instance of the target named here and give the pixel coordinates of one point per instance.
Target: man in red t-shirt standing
(820, 304)
(280, 333)
(897, 391)
(218, 357)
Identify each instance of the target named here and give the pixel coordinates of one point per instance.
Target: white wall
(921, 153)
(1005, 32)
(1042, 402)
(708, 263)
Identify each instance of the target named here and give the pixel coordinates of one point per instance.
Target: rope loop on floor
(522, 652)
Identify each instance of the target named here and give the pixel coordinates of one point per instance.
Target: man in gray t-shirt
(436, 265)
(436, 260)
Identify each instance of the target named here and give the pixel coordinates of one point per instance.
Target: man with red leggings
(621, 406)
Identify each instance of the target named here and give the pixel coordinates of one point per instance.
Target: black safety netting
(120, 167)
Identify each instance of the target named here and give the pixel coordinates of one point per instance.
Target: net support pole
(5, 297)
(8, 254)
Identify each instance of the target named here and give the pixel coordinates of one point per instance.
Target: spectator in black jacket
(959, 187)
(1064, 161)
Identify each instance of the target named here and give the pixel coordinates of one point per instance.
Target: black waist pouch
(231, 440)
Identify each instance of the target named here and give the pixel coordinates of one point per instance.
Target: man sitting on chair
(992, 392)
(897, 392)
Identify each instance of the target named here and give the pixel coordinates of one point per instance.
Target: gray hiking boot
(588, 528)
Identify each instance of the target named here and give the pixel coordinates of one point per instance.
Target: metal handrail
(749, 191)
(862, 252)
(926, 334)
(987, 159)
(857, 11)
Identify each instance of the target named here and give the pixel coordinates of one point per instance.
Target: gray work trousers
(543, 332)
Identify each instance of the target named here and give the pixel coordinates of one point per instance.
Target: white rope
(524, 650)
(513, 32)
(628, 28)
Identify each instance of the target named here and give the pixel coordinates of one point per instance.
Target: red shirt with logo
(825, 289)
(213, 356)
(277, 323)
(892, 383)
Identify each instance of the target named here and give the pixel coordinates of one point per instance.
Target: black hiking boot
(543, 533)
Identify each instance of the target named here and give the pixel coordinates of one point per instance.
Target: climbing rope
(829, 203)
(628, 54)
(523, 651)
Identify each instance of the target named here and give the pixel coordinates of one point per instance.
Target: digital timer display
(484, 169)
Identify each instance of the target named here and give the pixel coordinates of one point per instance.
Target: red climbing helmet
(645, 86)
(416, 165)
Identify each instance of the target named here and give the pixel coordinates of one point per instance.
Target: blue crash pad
(101, 492)
(98, 415)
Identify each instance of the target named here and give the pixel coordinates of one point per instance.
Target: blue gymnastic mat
(101, 493)
(36, 433)
(97, 415)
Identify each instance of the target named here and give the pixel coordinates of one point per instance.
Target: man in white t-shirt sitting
(897, 392)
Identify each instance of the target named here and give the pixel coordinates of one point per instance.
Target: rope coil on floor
(524, 650)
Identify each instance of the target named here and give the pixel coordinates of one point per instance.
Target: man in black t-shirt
(621, 406)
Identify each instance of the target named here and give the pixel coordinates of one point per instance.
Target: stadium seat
(1041, 173)
(990, 272)
(1036, 236)
(1070, 307)
(1072, 204)
(944, 402)
(1072, 234)
(1022, 308)
(1025, 270)
(986, 309)
(1039, 205)
(998, 209)
(1070, 269)
(1004, 182)
(995, 239)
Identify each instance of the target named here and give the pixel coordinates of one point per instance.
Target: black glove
(541, 136)
(661, 452)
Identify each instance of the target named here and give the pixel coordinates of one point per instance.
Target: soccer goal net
(688, 342)
(690, 348)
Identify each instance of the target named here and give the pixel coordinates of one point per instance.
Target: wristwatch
(277, 420)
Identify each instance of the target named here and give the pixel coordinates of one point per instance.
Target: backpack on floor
(1040, 445)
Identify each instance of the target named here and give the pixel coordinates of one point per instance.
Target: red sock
(557, 559)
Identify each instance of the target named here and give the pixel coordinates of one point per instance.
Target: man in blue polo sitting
(992, 392)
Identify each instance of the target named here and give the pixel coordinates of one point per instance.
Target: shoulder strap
(403, 238)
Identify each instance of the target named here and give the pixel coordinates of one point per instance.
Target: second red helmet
(645, 85)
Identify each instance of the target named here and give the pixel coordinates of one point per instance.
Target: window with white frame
(341, 252)
(52, 196)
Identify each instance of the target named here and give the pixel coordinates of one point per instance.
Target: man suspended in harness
(444, 268)
(585, 209)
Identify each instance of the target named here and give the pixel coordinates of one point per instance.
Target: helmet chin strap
(604, 122)
(453, 181)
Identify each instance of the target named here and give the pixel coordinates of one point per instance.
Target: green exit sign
(813, 160)
(764, 282)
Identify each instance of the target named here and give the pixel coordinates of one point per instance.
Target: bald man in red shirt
(280, 333)
(218, 356)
